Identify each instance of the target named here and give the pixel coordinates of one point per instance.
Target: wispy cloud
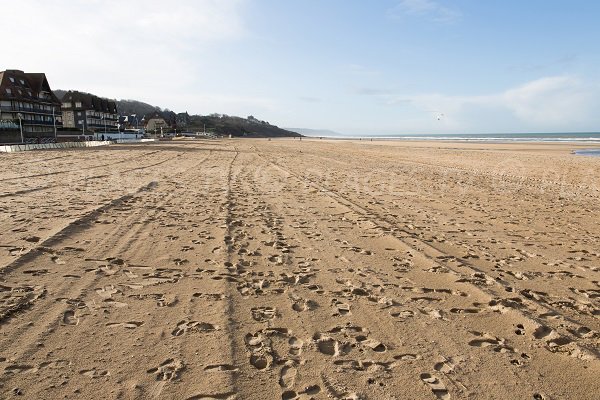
(310, 99)
(552, 100)
(428, 9)
(556, 102)
(562, 62)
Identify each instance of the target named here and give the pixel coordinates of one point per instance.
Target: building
(27, 102)
(89, 113)
(154, 122)
(183, 120)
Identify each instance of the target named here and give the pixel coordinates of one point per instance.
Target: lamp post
(20, 116)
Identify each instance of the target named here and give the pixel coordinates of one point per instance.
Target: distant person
(103, 137)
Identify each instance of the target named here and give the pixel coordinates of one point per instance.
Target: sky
(351, 66)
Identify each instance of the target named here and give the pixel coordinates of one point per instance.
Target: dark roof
(153, 115)
(89, 102)
(26, 86)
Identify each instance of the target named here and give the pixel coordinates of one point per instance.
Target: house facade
(89, 113)
(27, 103)
(154, 122)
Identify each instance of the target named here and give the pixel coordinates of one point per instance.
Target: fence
(65, 145)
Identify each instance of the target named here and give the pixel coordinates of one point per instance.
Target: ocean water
(589, 137)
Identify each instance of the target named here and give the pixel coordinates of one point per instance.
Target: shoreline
(459, 139)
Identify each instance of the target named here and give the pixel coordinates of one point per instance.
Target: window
(12, 79)
(8, 91)
(77, 104)
(66, 105)
(22, 81)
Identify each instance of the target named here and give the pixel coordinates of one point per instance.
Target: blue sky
(358, 67)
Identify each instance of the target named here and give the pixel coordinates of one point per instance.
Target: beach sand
(287, 269)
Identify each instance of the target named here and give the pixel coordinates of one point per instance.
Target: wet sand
(286, 269)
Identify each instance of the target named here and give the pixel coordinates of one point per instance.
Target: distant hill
(315, 132)
(236, 126)
(130, 107)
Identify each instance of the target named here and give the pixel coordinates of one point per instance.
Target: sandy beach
(313, 269)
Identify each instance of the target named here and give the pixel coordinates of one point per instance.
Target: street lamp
(20, 116)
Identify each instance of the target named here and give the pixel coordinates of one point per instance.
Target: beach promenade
(313, 269)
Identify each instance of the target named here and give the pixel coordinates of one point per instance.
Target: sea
(581, 138)
(584, 137)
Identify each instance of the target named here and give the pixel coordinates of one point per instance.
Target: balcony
(28, 110)
(40, 123)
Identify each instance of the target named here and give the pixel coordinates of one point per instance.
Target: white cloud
(552, 100)
(144, 49)
(429, 9)
(549, 103)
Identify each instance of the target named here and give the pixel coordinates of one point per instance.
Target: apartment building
(27, 103)
(89, 113)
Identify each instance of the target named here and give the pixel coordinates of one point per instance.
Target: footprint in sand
(32, 239)
(57, 260)
(168, 370)
(436, 386)
(308, 391)
(402, 315)
(36, 272)
(336, 390)
(329, 346)
(107, 292)
(221, 368)
(94, 373)
(128, 325)
(17, 369)
(486, 340)
(209, 296)
(364, 365)
(193, 326)
(542, 331)
(263, 314)
(295, 346)
(342, 308)
(69, 318)
(465, 310)
(407, 357)
(445, 366)
(300, 304)
(287, 376)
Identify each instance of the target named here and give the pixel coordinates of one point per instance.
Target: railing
(37, 122)
(29, 110)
